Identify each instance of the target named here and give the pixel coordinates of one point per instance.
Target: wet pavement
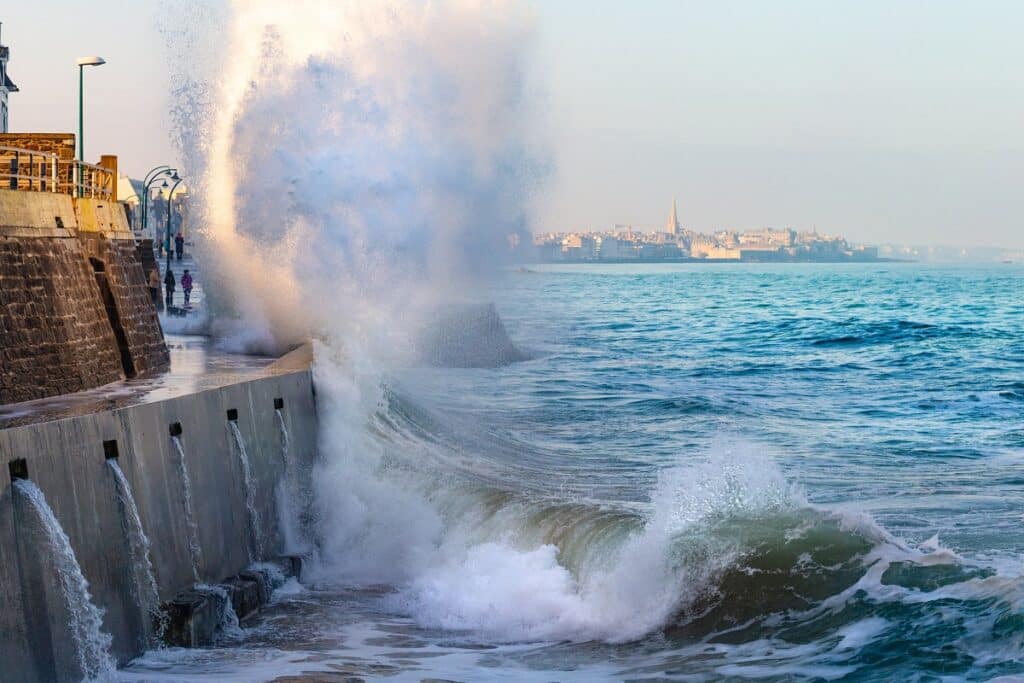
(196, 365)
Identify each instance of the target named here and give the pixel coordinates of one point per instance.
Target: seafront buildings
(678, 244)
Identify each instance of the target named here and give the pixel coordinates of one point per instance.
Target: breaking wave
(724, 551)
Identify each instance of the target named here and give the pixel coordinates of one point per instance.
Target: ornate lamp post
(170, 197)
(154, 174)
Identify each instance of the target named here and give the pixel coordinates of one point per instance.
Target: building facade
(6, 85)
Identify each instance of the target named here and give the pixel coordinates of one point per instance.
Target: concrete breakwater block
(263, 588)
(195, 616)
(245, 596)
(292, 565)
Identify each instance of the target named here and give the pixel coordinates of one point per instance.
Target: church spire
(672, 226)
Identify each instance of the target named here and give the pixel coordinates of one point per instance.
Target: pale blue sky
(893, 120)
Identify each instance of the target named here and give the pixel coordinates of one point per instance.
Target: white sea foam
(387, 521)
(622, 592)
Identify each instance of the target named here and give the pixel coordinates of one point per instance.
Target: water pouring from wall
(146, 589)
(85, 620)
(282, 429)
(255, 527)
(195, 550)
(288, 494)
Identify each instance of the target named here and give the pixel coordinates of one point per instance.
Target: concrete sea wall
(66, 459)
(75, 308)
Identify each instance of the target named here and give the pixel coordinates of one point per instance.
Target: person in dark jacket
(186, 286)
(169, 284)
(179, 245)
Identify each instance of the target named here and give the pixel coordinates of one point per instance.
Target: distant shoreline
(714, 260)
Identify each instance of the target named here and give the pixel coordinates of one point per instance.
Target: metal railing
(26, 169)
(90, 180)
(33, 170)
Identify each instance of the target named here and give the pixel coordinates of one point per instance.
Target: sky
(884, 121)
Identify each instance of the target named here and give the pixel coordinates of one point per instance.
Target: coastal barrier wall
(66, 459)
(75, 308)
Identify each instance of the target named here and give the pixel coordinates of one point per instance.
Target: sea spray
(85, 620)
(255, 527)
(398, 174)
(194, 548)
(146, 587)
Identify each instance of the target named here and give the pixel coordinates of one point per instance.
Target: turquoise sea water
(705, 472)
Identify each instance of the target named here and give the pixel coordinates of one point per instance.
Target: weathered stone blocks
(75, 309)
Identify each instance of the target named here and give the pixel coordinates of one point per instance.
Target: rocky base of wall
(197, 617)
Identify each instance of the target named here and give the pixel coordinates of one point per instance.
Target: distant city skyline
(881, 121)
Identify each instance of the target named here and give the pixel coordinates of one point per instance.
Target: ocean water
(704, 472)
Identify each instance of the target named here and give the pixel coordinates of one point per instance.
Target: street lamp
(154, 174)
(82, 63)
(170, 197)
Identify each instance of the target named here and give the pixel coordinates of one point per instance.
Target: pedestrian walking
(169, 285)
(186, 286)
(179, 245)
(154, 286)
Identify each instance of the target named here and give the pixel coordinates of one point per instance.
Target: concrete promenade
(65, 457)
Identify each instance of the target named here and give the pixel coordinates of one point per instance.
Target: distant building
(576, 247)
(766, 239)
(722, 253)
(610, 248)
(6, 85)
(672, 227)
(128, 192)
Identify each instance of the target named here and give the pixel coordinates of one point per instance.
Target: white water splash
(510, 590)
(229, 626)
(138, 546)
(462, 562)
(194, 548)
(255, 527)
(85, 620)
(382, 152)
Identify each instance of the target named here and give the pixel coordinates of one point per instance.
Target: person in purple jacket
(186, 285)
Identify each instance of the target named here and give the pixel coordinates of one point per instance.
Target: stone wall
(54, 334)
(105, 236)
(144, 252)
(66, 460)
(59, 333)
(61, 144)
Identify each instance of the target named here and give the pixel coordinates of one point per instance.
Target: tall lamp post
(151, 177)
(170, 198)
(82, 63)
